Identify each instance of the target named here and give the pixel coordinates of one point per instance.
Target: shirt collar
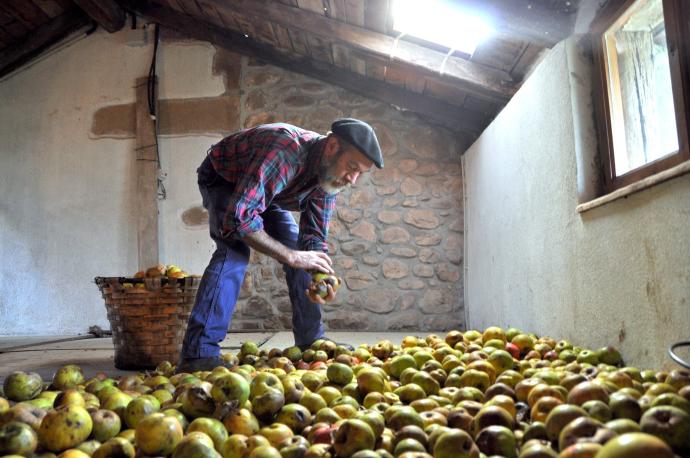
(315, 155)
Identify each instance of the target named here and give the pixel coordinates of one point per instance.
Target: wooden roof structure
(350, 43)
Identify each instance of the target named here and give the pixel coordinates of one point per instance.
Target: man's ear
(332, 146)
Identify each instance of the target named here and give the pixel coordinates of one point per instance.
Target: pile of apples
(160, 270)
(465, 394)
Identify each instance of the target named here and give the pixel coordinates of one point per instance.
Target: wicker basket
(148, 317)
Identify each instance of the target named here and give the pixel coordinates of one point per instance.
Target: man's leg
(220, 285)
(306, 315)
(215, 302)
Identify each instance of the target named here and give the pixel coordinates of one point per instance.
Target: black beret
(360, 135)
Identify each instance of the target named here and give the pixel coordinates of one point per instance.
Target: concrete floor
(45, 354)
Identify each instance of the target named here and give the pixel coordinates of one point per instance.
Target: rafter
(468, 75)
(40, 39)
(107, 13)
(438, 111)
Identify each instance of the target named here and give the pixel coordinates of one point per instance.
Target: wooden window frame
(677, 23)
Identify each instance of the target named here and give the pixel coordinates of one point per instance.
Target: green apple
(22, 386)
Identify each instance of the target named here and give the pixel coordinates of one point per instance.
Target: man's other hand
(313, 295)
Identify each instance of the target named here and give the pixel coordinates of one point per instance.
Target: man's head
(351, 149)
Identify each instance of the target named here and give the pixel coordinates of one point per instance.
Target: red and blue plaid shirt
(274, 164)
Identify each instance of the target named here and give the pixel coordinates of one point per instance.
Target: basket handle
(676, 358)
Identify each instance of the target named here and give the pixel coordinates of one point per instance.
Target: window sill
(673, 172)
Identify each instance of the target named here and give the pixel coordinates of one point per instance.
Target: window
(642, 87)
(440, 22)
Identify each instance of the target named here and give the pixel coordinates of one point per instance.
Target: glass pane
(643, 119)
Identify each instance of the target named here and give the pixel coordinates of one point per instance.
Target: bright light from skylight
(439, 22)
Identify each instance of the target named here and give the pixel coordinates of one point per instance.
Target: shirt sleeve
(314, 221)
(267, 175)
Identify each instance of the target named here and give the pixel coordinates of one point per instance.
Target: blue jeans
(222, 279)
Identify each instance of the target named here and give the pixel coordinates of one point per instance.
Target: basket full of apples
(148, 314)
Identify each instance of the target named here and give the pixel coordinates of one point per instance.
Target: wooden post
(147, 180)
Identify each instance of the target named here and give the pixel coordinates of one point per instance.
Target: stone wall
(397, 238)
(73, 206)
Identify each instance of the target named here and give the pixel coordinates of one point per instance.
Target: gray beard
(329, 188)
(326, 178)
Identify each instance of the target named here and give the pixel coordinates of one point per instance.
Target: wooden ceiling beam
(450, 116)
(107, 13)
(27, 13)
(469, 76)
(40, 39)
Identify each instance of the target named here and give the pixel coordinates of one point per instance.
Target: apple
(670, 424)
(537, 450)
(625, 406)
(497, 440)
(230, 387)
(409, 448)
(559, 417)
(106, 425)
(22, 386)
(339, 373)
(455, 443)
(353, 435)
(137, 409)
(235, 446)
(212, 427)
(196, 402)
(635, 445)
(609, 355)
(491, 416)
(17, 438)
(68, 376)
(584, 429)
(295, 416)
(276, 433)
(581, 450)
(158, 434)
(587, 391)
(64, 428)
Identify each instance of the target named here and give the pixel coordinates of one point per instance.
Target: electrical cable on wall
(153, 111)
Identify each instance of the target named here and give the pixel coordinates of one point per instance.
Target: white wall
(618, 274)
(68, 200)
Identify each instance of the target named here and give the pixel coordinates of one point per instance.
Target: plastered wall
(618, 274)
(68, 180)
(68, 195)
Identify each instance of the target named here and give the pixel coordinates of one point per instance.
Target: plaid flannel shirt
(274, 164)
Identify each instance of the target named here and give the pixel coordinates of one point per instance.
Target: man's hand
(313, 295)
(311, 260)
(307, 260)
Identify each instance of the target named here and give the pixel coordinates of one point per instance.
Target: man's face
(340, 167)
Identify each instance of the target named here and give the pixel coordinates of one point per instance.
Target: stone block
(358, 281)
(422, 219)
(403, 322)
(393, 235)
(438, 301)
(347, 320)
(364, 230)
(380, 300)
(394, 269)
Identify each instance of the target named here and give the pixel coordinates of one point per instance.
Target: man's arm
(308, 260)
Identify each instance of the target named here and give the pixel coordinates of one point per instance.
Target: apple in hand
(323, 287)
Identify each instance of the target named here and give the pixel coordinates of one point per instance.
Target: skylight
(440, 22)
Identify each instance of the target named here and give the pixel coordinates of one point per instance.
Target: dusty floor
(45, 354)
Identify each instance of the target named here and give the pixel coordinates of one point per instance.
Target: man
(249, 183)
